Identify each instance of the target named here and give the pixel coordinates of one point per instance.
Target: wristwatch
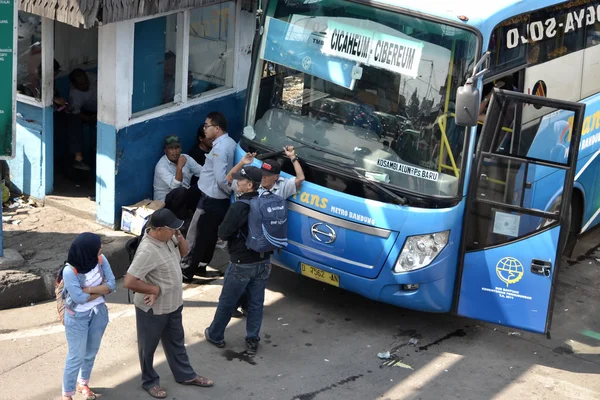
(295, 159)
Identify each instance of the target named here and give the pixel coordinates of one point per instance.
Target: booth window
(29, 56)
(211, 48)
(154, 63)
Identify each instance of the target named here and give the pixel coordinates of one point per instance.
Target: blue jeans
(251, 278)
(84, 333)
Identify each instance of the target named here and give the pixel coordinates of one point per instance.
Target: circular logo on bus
(306, 62)
(540, 89)
(509, 270)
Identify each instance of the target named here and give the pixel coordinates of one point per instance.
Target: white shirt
(219, 161)
(92, 278)
(164, 175)
(86, 101)
(284, 187)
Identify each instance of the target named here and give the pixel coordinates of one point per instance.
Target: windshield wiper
(319, 148)
(399, 199)
(275, 153)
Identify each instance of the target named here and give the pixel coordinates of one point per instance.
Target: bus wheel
(574, 222)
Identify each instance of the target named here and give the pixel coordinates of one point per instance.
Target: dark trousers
(206, 234)
(76, 135)
(182, 201)
(168, 329)
(243, 301)
(239, 278)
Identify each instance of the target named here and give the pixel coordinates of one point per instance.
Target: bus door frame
(469, 277)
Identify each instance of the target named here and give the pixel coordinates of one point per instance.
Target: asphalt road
(320, 342)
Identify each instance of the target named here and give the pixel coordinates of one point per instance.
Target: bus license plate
(320, 275)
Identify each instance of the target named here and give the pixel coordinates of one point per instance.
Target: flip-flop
(155, 391)
(199, 381)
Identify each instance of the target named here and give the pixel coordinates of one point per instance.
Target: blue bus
(448, 153)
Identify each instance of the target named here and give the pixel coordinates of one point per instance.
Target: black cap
(248, 172)
(164, 218)
(172, 141)
(271, 167)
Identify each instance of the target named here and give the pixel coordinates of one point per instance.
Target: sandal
(157, 392)
(199, 381)
(87, 393)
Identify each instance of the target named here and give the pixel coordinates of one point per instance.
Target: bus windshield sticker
(506, 224)
(396, 54)
(286, 44)
(373, 48)
(408, 170)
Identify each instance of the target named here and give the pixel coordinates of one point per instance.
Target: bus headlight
(419, 251)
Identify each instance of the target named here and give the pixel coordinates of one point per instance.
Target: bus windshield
(359, 88)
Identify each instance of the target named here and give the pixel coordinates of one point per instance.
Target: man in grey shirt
(272, 182)
(155, 277)
(215, 199)
(271, 168)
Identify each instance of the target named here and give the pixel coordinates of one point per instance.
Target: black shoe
(187, 279)
(237, 314)
(81, 165)
(251, 346)
(208, 339)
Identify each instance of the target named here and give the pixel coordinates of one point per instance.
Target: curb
(25, 286)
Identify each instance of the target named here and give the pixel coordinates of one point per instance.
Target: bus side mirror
(468, 100)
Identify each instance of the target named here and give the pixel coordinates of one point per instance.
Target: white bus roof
(482, 14)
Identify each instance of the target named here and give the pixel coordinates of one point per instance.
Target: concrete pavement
(42, 236)
(320, 342)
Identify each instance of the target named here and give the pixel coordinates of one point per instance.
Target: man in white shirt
(172, 176)
(215, 199)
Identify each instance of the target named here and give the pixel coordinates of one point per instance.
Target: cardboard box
(134, 217)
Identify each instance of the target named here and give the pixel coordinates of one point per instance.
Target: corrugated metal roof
(86, 13)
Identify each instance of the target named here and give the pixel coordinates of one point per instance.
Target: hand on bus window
(248, 158)
(289, 151)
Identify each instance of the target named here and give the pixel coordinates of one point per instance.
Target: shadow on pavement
(320, 342)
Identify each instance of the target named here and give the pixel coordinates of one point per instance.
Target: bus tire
(574, 220)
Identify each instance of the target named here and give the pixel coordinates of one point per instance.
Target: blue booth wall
(148, 64)
(140, 146)
(31, 169)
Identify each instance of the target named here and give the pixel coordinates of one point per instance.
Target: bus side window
(529, 39)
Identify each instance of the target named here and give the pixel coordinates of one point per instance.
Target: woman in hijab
(88, 278)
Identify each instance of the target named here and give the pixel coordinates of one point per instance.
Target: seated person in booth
(58, 101)
(83, 103)
(170, 68)
(169, 72)
(172, 176)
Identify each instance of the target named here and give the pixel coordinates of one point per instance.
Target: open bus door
(516, 216)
